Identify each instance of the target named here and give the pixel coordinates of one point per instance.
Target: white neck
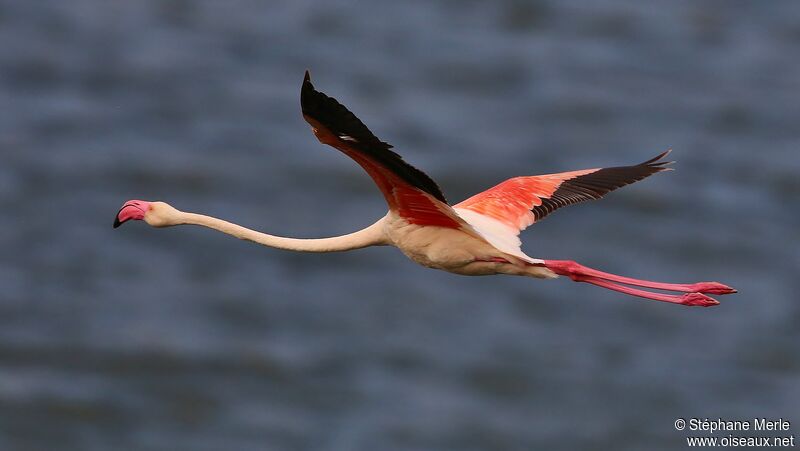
(370, 236)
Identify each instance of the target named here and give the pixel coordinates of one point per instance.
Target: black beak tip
(116, 222)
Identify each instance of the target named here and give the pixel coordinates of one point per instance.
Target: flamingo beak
(132, 209)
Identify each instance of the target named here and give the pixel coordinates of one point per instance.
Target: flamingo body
(455, 251)
(478, 236)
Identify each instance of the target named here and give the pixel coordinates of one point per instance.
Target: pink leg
(579, 272)
(695, 299)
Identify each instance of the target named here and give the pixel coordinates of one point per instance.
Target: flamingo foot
(698, 300)
(712, 288)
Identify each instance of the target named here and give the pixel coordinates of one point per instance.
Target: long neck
(370, 236)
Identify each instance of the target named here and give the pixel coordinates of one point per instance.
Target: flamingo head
(156, 214)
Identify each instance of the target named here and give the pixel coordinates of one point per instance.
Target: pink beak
(133, 209)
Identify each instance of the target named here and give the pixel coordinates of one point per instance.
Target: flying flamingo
(479, 236)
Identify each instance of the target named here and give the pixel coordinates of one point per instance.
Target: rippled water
(183, 339)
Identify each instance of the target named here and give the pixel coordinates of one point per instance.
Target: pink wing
(501, 212)
(409, 192)
(520, 201)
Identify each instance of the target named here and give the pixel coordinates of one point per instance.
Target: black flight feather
(597, 184)
(353, 133)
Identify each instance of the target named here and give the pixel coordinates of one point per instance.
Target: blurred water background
(185, 339)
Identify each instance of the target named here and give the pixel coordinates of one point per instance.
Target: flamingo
(478, 236)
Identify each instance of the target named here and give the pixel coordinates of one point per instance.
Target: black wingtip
(307, 94)
(655, 160)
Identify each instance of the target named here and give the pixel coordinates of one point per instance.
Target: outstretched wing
(501, 212)
(408, 191)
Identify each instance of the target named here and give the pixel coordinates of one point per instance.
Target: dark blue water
(184, 339)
